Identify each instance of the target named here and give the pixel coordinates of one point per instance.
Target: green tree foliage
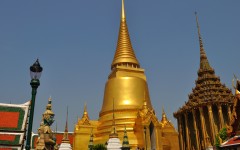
(220, 137)
(99, 147)
(223, 133)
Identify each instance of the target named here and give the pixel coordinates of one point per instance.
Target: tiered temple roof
(209, 88)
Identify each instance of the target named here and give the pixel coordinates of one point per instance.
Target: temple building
(207, 110)
(127, 87)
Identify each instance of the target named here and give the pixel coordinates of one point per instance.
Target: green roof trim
(16, 141)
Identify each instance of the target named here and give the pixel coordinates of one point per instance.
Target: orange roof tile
(10, 119)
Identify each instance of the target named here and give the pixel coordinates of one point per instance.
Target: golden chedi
(133, 111)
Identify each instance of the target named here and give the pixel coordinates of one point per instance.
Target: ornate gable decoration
(84, 121)
(147, 115)
(165, 122)
(85, 118)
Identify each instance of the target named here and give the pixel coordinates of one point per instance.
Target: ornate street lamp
(35, 73)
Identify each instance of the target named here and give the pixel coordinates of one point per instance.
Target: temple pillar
(156, 136)
(196, 130)
(147, 138)
(180, 132)
(229, 113)
(203, 125)
(212, 124)
(220, 116)
(188, 145)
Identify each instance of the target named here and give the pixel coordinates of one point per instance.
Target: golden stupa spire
(204, 64)
(85, 112)
(123, 11)
(124, 54)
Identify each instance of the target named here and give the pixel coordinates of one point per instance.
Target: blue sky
(75, 42)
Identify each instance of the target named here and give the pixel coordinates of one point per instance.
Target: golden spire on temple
(164, 117)
(124, 54)
(123, 11)
(85, 109)
(85, 118)
(204, 64)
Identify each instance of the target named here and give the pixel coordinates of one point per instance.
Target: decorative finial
(85, 108)
(163, 112)
(49, 107)
(50, 99)
(65, 135)
(123, 11)
(164, 117)
(66, 126)
(204, 64)
(199, 33)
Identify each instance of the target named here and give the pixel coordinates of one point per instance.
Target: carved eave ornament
(147, 115)
(84, 121)
(189, 106)
(165, 122)
(85, 118)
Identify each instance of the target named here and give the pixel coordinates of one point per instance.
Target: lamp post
(145, 133)
(35, 73)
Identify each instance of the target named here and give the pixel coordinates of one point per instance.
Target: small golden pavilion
(207, 110)
(127, 87)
